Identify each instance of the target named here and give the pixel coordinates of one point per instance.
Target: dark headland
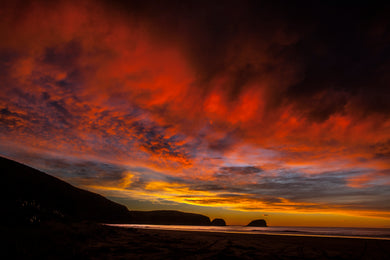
(45, 218)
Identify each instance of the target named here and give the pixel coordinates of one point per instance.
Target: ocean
(345, 232)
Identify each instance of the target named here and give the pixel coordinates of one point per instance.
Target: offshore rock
(218, 222)
(257, 223)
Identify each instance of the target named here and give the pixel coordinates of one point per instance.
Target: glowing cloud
(240, 107)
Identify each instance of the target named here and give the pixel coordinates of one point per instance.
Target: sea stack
(218, 222)
(257, 223)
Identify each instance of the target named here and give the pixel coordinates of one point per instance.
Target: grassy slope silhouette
(31, 196)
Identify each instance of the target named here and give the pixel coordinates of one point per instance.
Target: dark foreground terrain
(43, 217)
(30, 196)
(93, 241)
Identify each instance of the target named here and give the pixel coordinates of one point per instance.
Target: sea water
(346, 232)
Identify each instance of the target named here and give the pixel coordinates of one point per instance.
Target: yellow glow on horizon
(284, 213)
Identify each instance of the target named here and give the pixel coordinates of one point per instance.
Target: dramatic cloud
(246, 105)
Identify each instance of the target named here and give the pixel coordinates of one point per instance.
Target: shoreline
(249, 232)
(96, 241)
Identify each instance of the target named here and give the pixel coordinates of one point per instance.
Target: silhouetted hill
(30, 196)
(29, 193)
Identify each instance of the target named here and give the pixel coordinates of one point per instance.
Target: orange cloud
(370, 179)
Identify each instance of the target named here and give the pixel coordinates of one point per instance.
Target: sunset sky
(236, 109)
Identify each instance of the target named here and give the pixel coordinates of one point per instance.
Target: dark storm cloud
(340, 55)
(87, 172)
(84, 169)
(51, 106)
(216, 187)
(381, 149)
(243, 170)
(290, 189)
(65, 57)
(296, 186)
(340, 51)
(10, 120)
(153, 140)
(5, 112)
(62, 112)
(222, 144)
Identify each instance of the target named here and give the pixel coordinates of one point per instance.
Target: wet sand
(92, 241)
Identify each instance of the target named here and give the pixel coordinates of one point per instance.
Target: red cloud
(87, 79)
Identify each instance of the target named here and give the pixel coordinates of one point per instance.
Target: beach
(94, 241)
